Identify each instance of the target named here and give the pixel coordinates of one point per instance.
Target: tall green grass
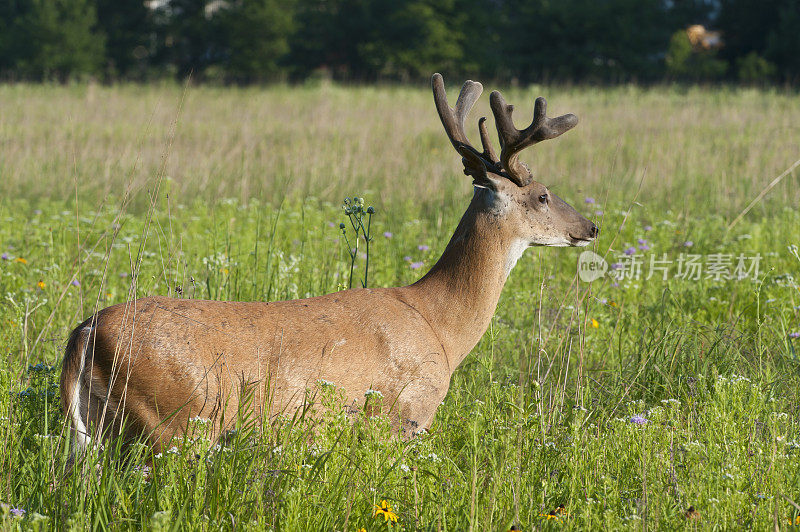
(586, 406)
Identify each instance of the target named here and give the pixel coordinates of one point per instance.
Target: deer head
(536, 216)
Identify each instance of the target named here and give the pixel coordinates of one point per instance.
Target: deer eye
(543, 198)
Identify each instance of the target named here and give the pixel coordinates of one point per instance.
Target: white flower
(200, 420)
(373, 393)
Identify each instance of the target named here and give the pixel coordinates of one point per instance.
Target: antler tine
(514, 141)
(453, 122)
(488, 151)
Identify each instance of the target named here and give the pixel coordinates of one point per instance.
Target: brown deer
(157, 362)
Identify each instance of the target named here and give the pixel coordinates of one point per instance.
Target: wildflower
(417, 265)
(143, 470)
(388, 234)
(688, 244)
(692, 513)
(407, 258)
(644, 247)
(423, 247)
(224, 271)
(21, 260)
(17, 512)
(5, 256)
(386, 511)
(638, 420)
(75, 282)
(794, 334)
(630, 251)
(362, 529)
(373, 393)
(40, 285)
(616, 265)
(551, 515)
(589, 200)
(595, 324)
(331, 224)
(648, 227)
(598, 213)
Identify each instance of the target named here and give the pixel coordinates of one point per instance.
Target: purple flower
(423, 247)
(17, 512)
(688, 244)
(5, 256)
(648, 227)
(407, 258)
(638, 420)
(615, 284)
(37, 212)
(630, 251)
(794, 335)
(589, 200)
(642, 241)
(598, 213)
(417, 265)
(644, 247)
(387, 234)
(616, 265)
(331, 224)
(75, 282)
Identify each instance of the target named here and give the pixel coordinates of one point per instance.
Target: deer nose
(594, 231)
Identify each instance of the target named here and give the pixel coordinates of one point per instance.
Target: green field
(620, 403)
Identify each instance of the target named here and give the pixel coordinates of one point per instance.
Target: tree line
(247, 41)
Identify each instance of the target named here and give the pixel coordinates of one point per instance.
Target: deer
(144, 368)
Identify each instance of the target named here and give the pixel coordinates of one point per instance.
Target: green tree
(128, 29)
(370, 39)
(256, 38)
(188, 36)
(768, 27)
(614, 40)
(683, 62)
(54, 39)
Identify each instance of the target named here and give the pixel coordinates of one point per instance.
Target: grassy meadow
(663, 400)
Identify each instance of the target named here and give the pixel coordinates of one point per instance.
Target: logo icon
(591, 266)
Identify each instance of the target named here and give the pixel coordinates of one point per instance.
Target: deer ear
(487, 180)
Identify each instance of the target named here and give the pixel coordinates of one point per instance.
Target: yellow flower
(595, 324)
(385, 510)
(224, 271)
(40, 284)
(362, 529)
(550, 516)
(20, 259)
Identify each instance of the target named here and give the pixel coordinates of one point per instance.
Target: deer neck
(459, 295)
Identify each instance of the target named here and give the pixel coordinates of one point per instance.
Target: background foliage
(366, 40)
